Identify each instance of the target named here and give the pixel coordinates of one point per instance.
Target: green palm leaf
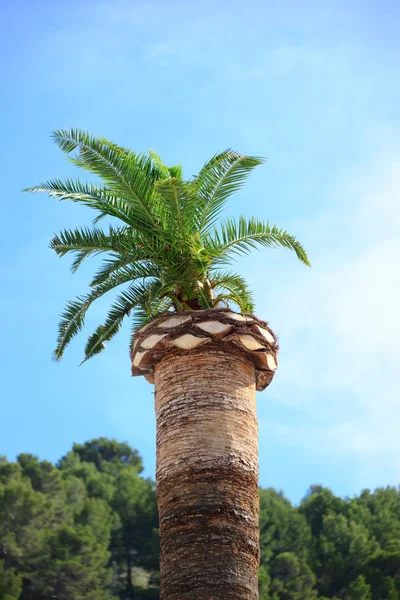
(110, 265)
(98, 198)
(242, 236)
(167, 246)
(73, 317)
(178, 205)
(228, 285)
(221, 177)
(128, 175)
(165, 172)
(86, 242)
(136, 294)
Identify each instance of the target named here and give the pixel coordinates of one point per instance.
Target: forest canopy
(87, 529)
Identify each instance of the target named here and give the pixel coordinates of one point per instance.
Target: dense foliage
(86, 529)
(164, 239)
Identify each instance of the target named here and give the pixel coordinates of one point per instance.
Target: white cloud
(340, 328)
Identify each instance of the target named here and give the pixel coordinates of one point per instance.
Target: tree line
(87, 529)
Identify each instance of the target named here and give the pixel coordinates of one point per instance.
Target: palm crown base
(182, 332)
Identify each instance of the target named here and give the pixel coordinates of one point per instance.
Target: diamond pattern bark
(189, 330)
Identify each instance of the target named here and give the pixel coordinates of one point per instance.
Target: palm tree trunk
(207, 474)
(206, 366)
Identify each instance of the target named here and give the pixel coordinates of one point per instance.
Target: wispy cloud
(340, 327)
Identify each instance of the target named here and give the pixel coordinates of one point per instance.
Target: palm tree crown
(168, 245)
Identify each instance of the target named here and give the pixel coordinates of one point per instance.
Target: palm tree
(165, 241)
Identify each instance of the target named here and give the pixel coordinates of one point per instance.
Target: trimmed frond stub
(186, 332)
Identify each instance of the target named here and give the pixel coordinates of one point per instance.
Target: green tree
(317, 504)
(166, 243)
(43, 475)
(264, 582)
(382, 516)
(54, 539)
(383, 573)
(79, 565)
(282, 527)
(134, 502)
(292, 579)
(87, 530)
(108, 456)
(358, 590)
(97, 484)
(25, 516)
(344, 550)
(110, 472)
(10, 583)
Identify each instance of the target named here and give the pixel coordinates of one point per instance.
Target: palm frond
(165, 172)
(232, 287)
(178, 203)
(93, 196)
(129, 175)
(133, 251)
(86, 242)
(80, 257)
(68, 139)
(221, 177)
(73, 317)
(137, 294)
(176, 171)
(242, 236)
(110, 266)
(72, 322)
(130, 272)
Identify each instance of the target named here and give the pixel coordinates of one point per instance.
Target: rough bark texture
(207, 474)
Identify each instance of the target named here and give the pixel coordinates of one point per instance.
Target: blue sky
(314, 87)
